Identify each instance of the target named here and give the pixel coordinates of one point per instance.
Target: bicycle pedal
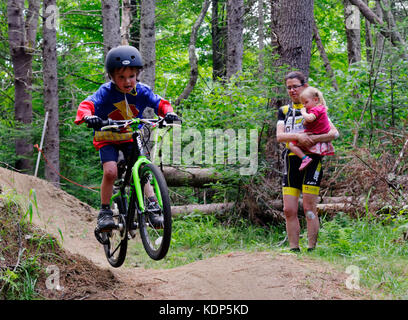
(102, 237)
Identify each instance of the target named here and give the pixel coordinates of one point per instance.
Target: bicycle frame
(141, 159)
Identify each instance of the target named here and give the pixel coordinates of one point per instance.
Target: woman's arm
(326, 137)
(282, 136)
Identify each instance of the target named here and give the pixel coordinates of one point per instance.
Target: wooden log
(203, 208)
(193, 177)
(223, 207)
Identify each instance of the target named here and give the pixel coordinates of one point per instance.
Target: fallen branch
(276, 204)
(193, 177)
(203, 208)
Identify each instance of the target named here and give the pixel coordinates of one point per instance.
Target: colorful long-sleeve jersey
(109, 102)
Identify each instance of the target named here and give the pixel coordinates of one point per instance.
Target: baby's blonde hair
(313, 92)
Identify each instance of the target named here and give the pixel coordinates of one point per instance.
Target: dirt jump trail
(234, 276)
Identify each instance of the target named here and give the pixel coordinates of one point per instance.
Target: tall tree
(292, 29)
(148, 45)
(50, 77)
(391, 32)
(111, 24)
(22, 30)
(235, 41)
(352, 24)
(148, 40)
(126, 22)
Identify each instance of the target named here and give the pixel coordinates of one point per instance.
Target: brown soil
(235, 276)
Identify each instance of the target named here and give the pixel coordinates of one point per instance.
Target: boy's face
(125, 78)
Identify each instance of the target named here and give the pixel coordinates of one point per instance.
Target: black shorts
(110, 152)
(307, 180)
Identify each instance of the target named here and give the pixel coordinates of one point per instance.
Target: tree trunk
(148, 40)
(51, 90)
(22, 36)
(203, 208)
(292, 28)
(392, 34)
(235, 42)
(148, 46)
(192, 55)
(368, 38)
(193, 177)
(126, 22)
(111, 24)
(218, 34)
(352, 24)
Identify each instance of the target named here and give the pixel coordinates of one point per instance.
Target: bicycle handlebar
(117, 125)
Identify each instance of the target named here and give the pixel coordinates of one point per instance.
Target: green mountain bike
(129, 202)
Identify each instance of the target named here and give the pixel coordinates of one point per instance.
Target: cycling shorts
(307, 180)
(110, 152)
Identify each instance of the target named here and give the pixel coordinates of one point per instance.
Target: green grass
(374, 246)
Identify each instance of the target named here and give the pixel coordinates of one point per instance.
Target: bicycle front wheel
(155, 233)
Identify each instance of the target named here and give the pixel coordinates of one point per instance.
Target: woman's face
(294, 88)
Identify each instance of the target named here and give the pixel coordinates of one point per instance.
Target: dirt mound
(238, 276)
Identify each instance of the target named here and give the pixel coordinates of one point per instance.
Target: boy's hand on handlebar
(93, 122)
(171, 117)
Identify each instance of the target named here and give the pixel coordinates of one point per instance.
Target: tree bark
(22, 34)
(203, 208)
(148, 41)
(192, 55)
(292, 28)
(51, 90)
(148, 45)
(211, 208)
(352, 24)
(368, 38)
(392, 34)
(194, 177)
(126, 22)
(111, 24)
(235, 42)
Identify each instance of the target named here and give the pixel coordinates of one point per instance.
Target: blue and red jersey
(109, 102)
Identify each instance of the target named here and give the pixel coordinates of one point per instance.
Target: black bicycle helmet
(123, 56)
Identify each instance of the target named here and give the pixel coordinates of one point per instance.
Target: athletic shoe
(105, 220)
(305, 162)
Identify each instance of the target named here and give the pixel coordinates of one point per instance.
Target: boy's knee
(110, 172)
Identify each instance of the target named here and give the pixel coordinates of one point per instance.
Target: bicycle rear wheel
(155, 238)
(116, 245)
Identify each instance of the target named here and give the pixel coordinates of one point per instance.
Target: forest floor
(271, 275)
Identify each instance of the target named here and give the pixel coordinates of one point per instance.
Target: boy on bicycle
(122, 98)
